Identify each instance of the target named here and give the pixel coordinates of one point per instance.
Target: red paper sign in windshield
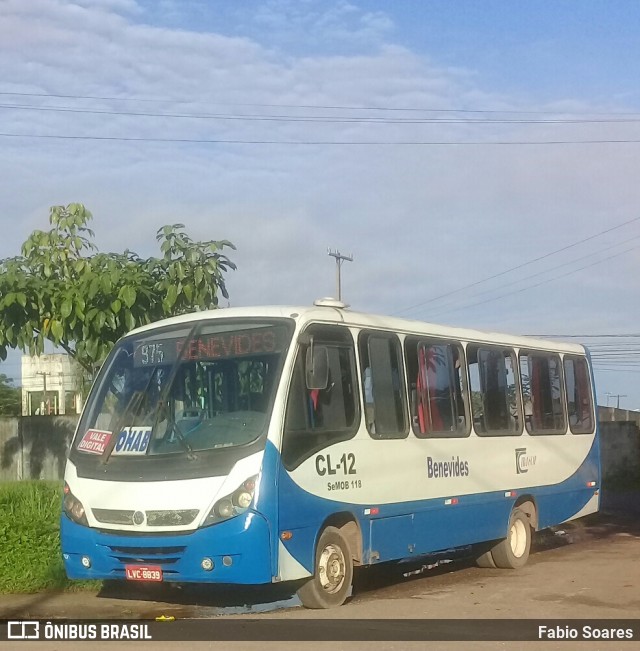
(95, 441)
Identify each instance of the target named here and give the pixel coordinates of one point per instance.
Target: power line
(327, 143)
(618, 352)
(589, 336)
(544, 271)
(347, 107)
(321, 119)
(605, 346)
(520, 266)
(544, 282)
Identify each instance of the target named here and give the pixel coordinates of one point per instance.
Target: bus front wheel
(333, 572)
(513, 551)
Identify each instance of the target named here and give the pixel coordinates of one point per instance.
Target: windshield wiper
(132, 409)
(182, 439)
(162, 399)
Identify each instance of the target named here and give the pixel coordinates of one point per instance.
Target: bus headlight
(224, 509)
(234, 504)
(73, 507)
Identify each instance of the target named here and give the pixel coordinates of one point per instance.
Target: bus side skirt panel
(404, 530)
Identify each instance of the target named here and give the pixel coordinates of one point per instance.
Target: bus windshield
(184, 390)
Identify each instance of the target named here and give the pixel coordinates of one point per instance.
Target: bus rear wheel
(513, 552)
(333, 572)
(485, 560)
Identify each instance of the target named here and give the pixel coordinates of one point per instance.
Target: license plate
(143, 572)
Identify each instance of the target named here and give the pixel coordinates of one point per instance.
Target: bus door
(317, 417)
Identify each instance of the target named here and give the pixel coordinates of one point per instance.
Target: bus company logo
(52, 630)
(23, 630)
(524, 461)
(457, 467)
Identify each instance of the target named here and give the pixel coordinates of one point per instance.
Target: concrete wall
(10, 449)
(606, 414)
(619, 448)
(34, 447)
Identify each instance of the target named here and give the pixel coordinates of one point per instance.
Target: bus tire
(486, 560)
(513, 552)
(333, 572)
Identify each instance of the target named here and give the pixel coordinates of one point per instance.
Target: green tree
(10, 397)
(63, 290)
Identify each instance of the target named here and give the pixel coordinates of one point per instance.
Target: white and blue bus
(250, 446)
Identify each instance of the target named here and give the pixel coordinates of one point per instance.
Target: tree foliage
(63, 290)
(10, 397)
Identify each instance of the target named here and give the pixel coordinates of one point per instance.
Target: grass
(31, 560)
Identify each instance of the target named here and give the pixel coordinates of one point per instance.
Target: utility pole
(44, 379)
(618, 396)
(339, 260)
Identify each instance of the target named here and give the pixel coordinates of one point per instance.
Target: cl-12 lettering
(346, 464)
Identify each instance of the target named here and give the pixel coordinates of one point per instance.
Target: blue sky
(514, 47)
(423, 220)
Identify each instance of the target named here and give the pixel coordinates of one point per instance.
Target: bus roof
(330, 314)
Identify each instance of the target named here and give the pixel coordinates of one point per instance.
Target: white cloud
(309, 24)
(117, 6)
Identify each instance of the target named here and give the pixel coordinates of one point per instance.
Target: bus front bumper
(239, 549)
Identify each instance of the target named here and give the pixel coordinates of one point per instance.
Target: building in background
(50, 385)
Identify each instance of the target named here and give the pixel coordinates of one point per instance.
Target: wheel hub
(331, 568)
(518, 538)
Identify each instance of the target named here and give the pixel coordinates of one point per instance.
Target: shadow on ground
(225, 599)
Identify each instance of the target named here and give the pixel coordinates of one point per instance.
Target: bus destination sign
(209, 347)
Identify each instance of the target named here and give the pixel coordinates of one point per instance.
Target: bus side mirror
(317, 367)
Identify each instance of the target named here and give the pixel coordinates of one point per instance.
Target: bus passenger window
(542, 393)
(494, 395)
(382, 387)
(437, 388)
(578, 392)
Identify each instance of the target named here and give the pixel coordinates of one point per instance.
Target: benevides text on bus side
(455, 468)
